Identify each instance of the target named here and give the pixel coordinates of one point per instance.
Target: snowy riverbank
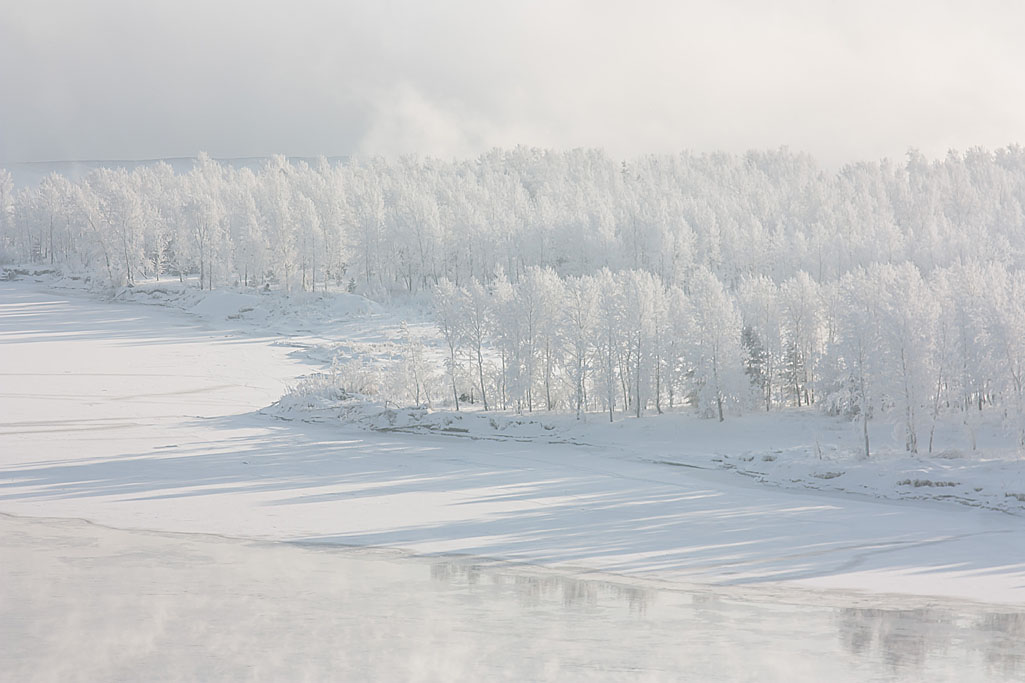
(139, 417)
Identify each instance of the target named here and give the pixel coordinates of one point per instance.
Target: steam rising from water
(82, 602)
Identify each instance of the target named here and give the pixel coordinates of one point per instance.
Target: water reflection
(902, 638)
(905, 639)
(80, 602)
(1005, 655)
(533, 590)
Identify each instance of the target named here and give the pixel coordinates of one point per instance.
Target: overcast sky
(135, 79)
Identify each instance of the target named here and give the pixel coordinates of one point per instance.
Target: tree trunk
(480, 374)
(548, 374)
(637, 380)
(864, 397)
(452, 373)
(718, 388)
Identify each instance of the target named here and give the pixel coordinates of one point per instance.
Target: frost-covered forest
(573, 281)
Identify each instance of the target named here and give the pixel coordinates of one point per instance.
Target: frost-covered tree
(801, 308)
(579, 323)
(715, 344)
(907, 319)
(677, 356)
(449, 317)
(642, 312)
(758, 300)
(476, 313)
(547, 290)
(6, 211)
(1005, 342)
(945, 350)
(856, 349)
(416, 370)
(204, 215)
(966, 306)
(609, 335)
(118, 216)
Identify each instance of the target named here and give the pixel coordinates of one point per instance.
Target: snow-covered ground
(799, 450)
(144, 417)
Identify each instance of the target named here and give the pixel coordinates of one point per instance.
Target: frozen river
(85, 602)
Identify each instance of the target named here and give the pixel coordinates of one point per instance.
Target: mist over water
(84, 602)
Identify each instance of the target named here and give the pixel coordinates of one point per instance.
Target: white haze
(84, 602)
(113, 79)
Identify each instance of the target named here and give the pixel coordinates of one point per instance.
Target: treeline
(569, 280)
(882, 340)
(386, 227)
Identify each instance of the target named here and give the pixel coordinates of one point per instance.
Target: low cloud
(118, 79)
